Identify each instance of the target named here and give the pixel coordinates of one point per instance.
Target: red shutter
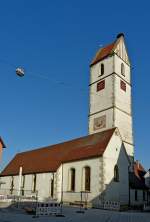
(122, 85)
(100, 85)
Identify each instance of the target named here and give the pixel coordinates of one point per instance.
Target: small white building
(94, 168)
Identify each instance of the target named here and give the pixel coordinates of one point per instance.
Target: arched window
(72, 179)
(87, 175)
(102, 69)
(122, 69)
(116, 173)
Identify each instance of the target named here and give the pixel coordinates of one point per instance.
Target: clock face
(99, 122)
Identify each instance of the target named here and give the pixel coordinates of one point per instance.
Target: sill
(70, 191)
(85, 191)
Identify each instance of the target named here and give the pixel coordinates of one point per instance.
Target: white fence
(109, 205)
(12, 195)
(49, 208)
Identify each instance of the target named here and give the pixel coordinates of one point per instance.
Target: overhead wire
(60, 83)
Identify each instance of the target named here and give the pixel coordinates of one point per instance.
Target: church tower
(110, 92)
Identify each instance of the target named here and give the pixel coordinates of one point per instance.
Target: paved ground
(90, 215)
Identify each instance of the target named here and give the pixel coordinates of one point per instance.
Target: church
(96, 168)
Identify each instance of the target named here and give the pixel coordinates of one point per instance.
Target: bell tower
(110, 92)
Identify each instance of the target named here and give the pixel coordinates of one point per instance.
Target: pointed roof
(108, 50)
(103, 53)
(1, 141)
(48, 159)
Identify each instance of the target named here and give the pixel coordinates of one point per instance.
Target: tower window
(122, 69)
(102, 69)
(100, 85)
(122, 85)
(116, 173)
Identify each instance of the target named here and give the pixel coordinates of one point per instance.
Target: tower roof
(110, 49)
(48, 159)
(103, 53)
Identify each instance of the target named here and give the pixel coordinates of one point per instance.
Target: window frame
(72, 179)
(122, 69)
(136, 195)
(100, 85)
(116, 173)
(102, 69)
(87, 178)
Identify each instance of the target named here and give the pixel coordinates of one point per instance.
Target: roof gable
(103, 53)
(120, 50)
(118, 47)
(48, 159)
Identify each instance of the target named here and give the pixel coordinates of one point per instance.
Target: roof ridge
(65, 142)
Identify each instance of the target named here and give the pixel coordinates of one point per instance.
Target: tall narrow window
(12, 185)
(34, 183)
(122, 69)
(116, 173)
(136, 195)
(23, 184)
(144, 196)
(102, 69)
(52, 188)
(87, 178)
(72, 179)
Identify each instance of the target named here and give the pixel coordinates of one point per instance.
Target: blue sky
(55, 41)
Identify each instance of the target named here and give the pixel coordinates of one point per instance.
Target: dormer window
(122, 69)
(102, 69)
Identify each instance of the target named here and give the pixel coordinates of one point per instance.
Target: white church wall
(28, 182)
(122, 98)
(6, 183)
(72, 196)
(117, 68)
(43, 186)
(106, 121)
(124, 123)
(103, 99)
(95, 70)
(115, 155)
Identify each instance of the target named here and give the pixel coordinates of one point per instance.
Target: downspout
(62, 186)
(19, 183)
(129, 203)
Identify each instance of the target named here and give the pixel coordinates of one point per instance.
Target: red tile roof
(48, 159)
(103, 53)
(137, 180)
(138, 169)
